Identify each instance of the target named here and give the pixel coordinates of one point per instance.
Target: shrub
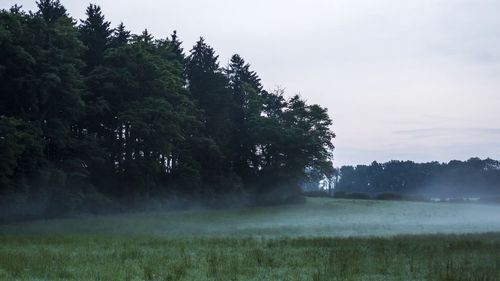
(389, 196)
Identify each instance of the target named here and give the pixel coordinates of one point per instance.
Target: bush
(351, 195)
(356, 195)
(317, 193)
(389, 196)
(340, 194)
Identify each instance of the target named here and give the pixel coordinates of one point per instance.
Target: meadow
(323, 239)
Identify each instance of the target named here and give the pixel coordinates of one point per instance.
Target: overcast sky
(408, 80)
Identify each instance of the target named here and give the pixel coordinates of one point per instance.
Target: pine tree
(121, 36)
(177, 47)
(247, 108)
(202, 60)
(96, 35)
(145, 37)
(210, 89)
(51, 10)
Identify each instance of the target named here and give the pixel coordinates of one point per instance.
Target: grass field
(323, 239)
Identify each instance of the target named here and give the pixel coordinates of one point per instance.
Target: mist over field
(321, 239)
(317, 217)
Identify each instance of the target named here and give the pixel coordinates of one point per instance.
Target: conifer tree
(121, 36)
(177, 47)
(95, 34)
(51, 10)
(210, 89)
(144, 37)
(247, 95)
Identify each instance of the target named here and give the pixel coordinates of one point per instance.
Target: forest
(474, 178)
(93, 116)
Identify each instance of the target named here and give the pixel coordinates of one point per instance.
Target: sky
(402, 79)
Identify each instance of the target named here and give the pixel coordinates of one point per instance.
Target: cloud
(432, 132)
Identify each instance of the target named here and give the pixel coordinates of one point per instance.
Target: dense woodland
(92, 114)
(471, 178)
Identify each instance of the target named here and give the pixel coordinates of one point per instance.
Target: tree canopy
(89, 110)
(471, 178)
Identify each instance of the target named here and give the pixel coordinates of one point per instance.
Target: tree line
(455, 179)
(87, 110)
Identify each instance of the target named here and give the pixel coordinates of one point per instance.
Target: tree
(40, 96)
(96, 36)
(121, 36)
(176, 47)
(20, 150)
(294, 143)
(51, 10)
(145, 37)
(248, 105)
(210, 89)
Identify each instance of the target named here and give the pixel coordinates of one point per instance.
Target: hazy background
(410, 80)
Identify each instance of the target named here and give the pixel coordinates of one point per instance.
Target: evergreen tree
(95, 35)
(40, 94)
(121, 36)
(51, 10)
(247, 95)
(210, 89)
(145, 37)
(177, 47)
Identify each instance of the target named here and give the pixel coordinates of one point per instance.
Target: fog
(317, 217)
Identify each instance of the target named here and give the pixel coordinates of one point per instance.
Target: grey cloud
(431, 132)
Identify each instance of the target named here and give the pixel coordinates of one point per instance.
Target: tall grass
(435, 257)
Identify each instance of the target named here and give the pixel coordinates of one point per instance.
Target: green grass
(323, 239)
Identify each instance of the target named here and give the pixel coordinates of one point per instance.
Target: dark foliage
(456, 179)
(91, 115)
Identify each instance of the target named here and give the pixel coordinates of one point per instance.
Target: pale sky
(404, 80)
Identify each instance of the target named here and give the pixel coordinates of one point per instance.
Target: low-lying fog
(317, 217)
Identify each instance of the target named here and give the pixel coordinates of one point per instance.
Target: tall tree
(210, 89)
(247, 108)
(51, 10)
(176, 46)
(96, 35)
(121, 36)
(144, 37)
(41, 84)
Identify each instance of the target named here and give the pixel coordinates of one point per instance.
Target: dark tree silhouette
(90, 115)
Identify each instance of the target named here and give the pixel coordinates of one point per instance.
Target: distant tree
(474, 177)
(120, 37)
(144, 37)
